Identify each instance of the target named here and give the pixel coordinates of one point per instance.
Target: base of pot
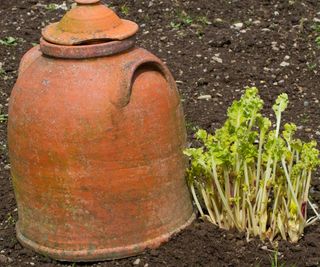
(98, 254)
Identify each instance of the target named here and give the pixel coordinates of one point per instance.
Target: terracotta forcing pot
(96, 133)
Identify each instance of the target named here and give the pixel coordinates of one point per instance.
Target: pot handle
(121, 98)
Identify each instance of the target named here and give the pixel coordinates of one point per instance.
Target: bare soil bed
(214, 49)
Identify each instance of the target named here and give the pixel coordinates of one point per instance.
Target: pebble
(308, 130)
(7, 167)
(137, 262)
(306, 103)
(217, 59)
(206, 97)
(237, 26)
(284, 64)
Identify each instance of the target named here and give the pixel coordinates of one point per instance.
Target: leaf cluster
(250, 176)
(9, 41)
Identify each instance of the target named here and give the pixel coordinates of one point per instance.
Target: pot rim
(86, 51)
(102, 253)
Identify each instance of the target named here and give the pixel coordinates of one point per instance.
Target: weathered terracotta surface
(86, 51)
(95, 135)
(89, 20)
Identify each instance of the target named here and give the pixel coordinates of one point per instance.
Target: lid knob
(85, 2)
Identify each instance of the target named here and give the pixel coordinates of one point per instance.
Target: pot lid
(89, 21)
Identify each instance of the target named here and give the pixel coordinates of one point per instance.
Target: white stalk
(196, 201)
(290, 187)
(313, 219)
(227, 183)
(222, 196)
(278, 123)
(207, 203)
(306, 190)
(262, 134)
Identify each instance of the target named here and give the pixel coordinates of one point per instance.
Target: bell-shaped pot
(96, 133)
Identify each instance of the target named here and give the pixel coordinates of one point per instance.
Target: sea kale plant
(251, 176)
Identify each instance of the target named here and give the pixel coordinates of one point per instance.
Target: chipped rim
(86, 51)
(99, 254)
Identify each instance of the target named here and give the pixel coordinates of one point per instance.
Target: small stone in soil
(237, 26)
(217, 59)
(7, 167)
(284, 64)
(206, 97)
(137, 262)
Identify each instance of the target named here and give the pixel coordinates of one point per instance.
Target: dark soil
(274, 50)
